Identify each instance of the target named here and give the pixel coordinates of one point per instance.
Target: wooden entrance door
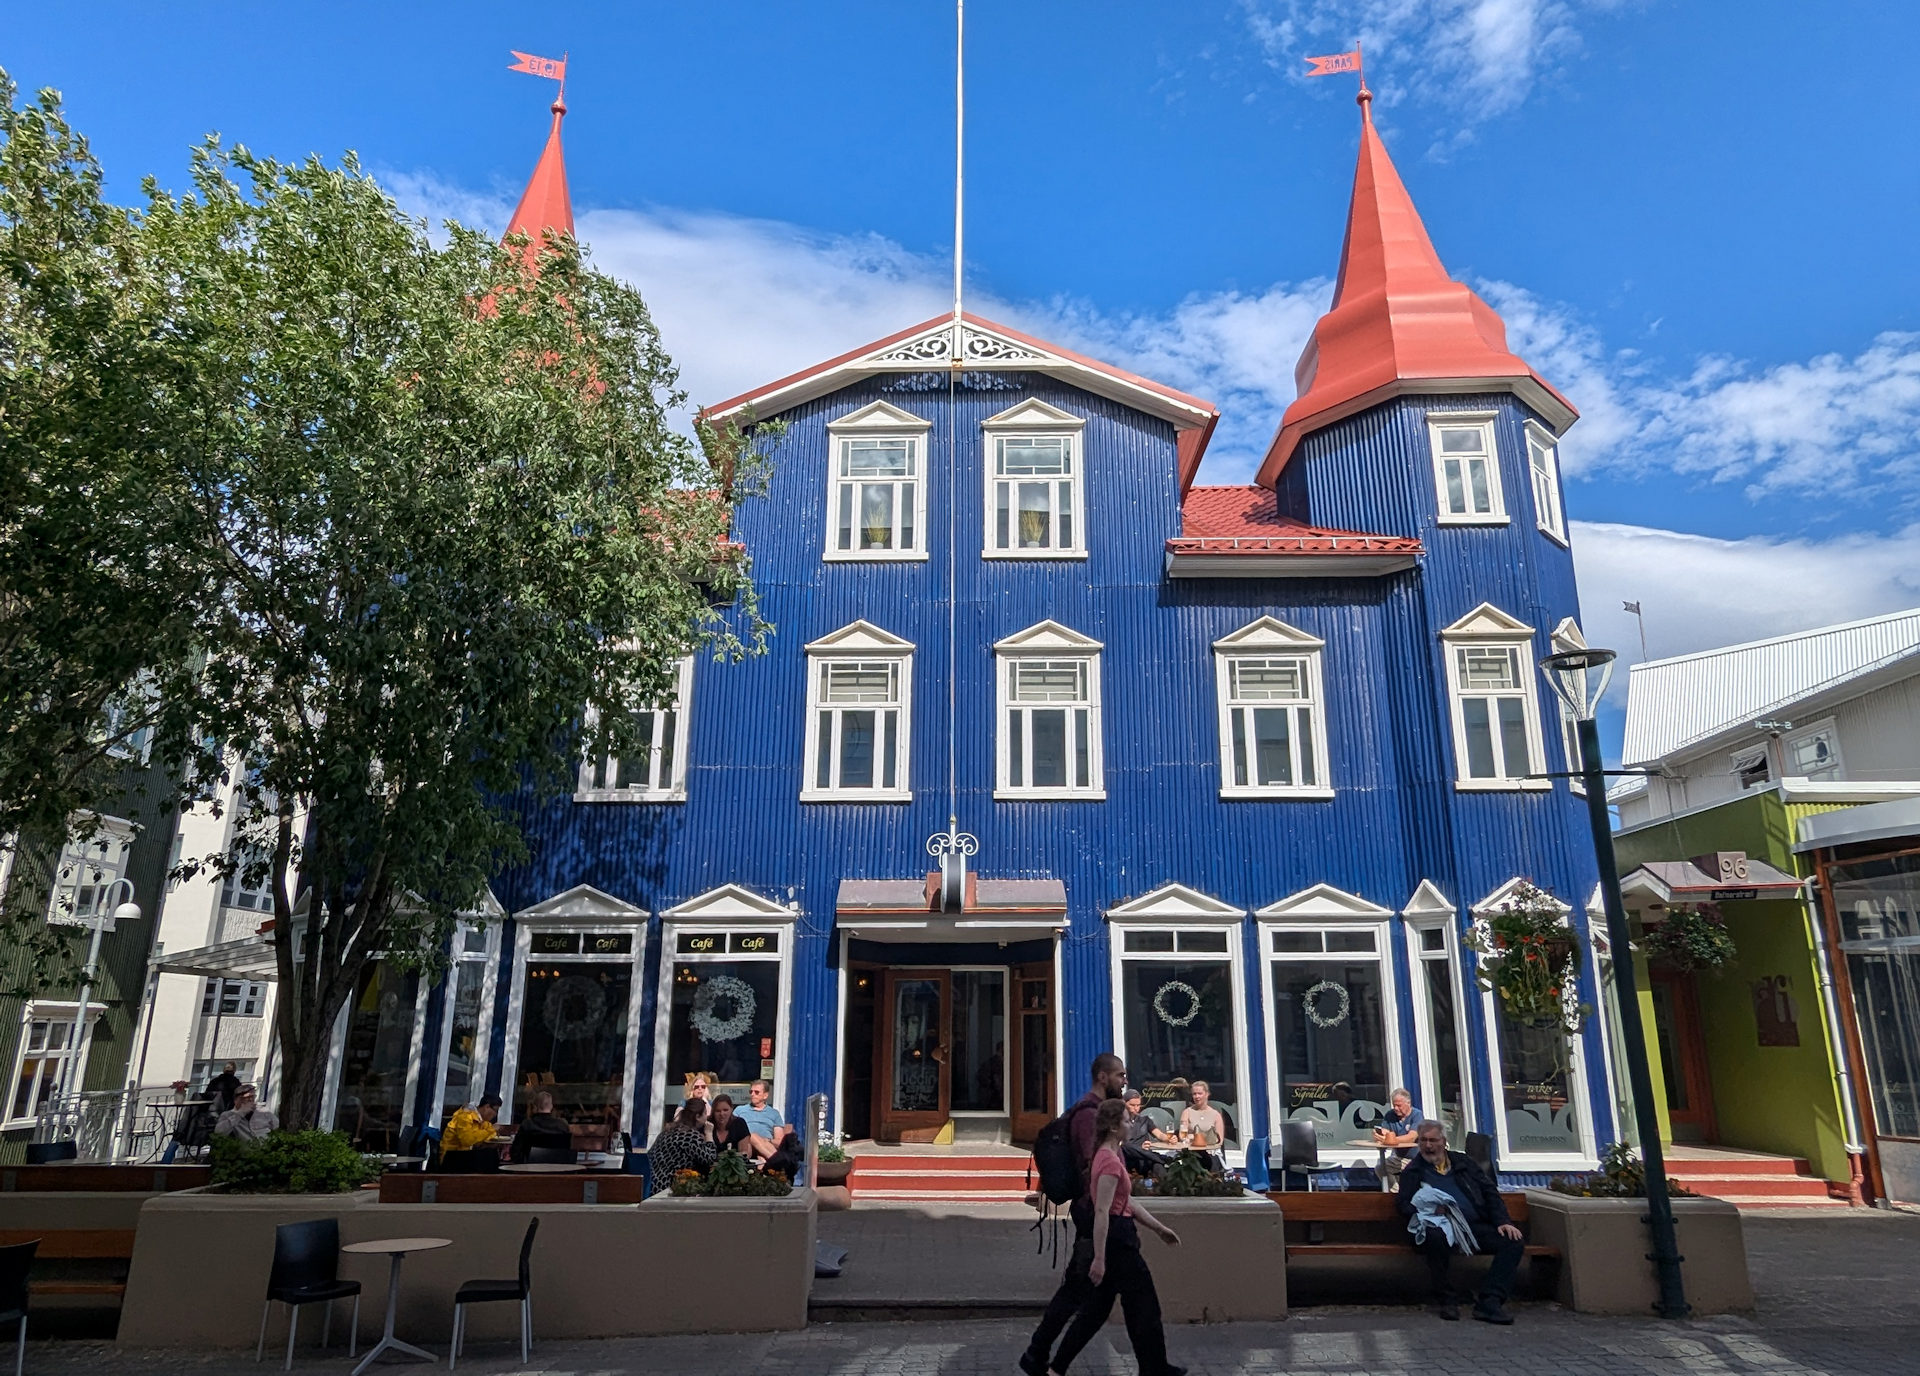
(1683, 1055)
(915, 1081)
(1030, 1051)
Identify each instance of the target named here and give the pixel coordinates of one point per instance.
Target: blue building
(1055, 752)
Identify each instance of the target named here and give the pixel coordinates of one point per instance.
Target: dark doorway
(856, 1114)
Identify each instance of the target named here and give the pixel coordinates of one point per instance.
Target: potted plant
(1621, 1176)
(832, 1165)
(730, 1176)
(1693, 936)
(291, 1163)
(1190, 1175)
(1529, 960)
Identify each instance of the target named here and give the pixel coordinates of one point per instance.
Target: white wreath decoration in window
(1175, 986)
(575, 992)
(1312, 1001)
(714, 992)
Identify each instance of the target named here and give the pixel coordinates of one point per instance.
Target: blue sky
(1696, 218)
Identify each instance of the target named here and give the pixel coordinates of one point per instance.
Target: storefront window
(466, 1020)
(723, 1012)
(370, 1104)
(1878, 904)
(574, 1026)
(1330, 1032)
(1444, 1094)
(1537, 1087)
(1180, 1022)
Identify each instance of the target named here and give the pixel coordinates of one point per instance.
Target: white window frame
(672, 789)
(589, 912)
(1739, 760)
(1034, 419)
(1588, 1157)
(1268, 638)
(79, 867)
(729, 910)
(1543, 474)
(1323, 909)
(1050, 641)
(464, 964)
(1466, 420)
(1176, 908)
(1429, 911)
(250, 1000)
(78, 1048)
(861, 642)
(1488, 626)
(878, 420)
(1567, 637)
(1835, 770)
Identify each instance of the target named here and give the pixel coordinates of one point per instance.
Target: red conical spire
(544, 205)
(1398, 322)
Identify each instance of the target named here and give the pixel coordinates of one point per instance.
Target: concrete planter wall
(1230, 1266)
(200, 1266)
(1604, 1244)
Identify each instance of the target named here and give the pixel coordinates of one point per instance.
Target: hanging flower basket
(1530, 961)
(1694, 936)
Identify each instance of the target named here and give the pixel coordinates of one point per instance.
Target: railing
(109, 1124)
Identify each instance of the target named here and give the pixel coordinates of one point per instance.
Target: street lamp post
(1580, 677)
(128, 911)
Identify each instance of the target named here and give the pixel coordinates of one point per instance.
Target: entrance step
(948, 1177)
(1756, 1181)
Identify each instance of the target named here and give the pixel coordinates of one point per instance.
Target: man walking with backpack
(1076, 1126)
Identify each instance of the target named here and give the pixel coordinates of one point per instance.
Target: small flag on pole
(539, 66)
(1335, 62)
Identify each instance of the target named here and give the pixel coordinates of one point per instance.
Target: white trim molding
(1048, 663)
(858, 671)
(1502, 644)
(1269, 668)
(1543, 472)
(1323, 903)
(1055, 461)
(1175, 903)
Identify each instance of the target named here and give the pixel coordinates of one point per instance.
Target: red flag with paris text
(1335, 62)
(555, 67)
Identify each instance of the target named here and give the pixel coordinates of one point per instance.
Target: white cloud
(1697, 592)
(1477, 57)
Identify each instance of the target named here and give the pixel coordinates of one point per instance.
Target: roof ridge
(1807, 634)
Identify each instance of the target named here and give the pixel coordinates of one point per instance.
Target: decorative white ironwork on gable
(979, 348)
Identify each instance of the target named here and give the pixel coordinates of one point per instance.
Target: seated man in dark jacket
(542, 1128)
(1486, 1213)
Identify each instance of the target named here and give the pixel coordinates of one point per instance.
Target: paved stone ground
(1836, 1297)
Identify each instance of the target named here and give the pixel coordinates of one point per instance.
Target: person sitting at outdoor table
(1202, 1125)
(1395, 1135)
(246, 1120)
(224, 1088)
(727, 1130)
(1456, 1175)
(542, 1128)
(1140, 1131)
(684, 1145)
(472, 1126)
(766, 1123)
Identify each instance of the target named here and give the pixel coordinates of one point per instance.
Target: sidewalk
(1836, 1297)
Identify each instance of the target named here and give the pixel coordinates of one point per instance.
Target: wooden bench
(76, 1244)
(1367, 1224)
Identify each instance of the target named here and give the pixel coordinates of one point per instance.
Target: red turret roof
(544, 205)
(1398, 322)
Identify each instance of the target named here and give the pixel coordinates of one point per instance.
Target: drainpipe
(1836, 1040)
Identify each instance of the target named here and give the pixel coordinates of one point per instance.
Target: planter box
(1604, 1245)
(200, 1266)
(832, 1172)
(1230, 1266)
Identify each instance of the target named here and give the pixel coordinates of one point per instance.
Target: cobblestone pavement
(1836, 1296)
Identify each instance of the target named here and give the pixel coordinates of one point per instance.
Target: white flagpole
(959, 163)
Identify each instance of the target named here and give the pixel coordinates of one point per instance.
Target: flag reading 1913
(1335, 62)
(539, 66)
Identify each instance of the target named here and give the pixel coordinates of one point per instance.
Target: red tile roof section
(1396, 317)
(1247, 520)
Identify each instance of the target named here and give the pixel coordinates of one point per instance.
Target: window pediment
(1493, 901)
(1427, 902)
(881, 416)
(1321, 903)
(1046, 637)
(729, 903)
(582, 903)
(1034, 414)
(1568, 636)
(1268, 633)
(1489, 622)
(859, 638)
(1175, 903)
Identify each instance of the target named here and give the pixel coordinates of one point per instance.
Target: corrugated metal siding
(1396, 818)
(1672, 703)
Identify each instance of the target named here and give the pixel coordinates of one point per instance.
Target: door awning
(251, 957)
(995, 909)
(1724, 876)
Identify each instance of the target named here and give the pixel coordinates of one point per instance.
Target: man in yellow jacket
(470, 1127)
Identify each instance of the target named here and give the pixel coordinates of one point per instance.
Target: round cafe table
(396, 1248)
(542, 1167)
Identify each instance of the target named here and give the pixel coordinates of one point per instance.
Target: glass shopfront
(1180, 1021)
(1331, 1035)
(1877, 904)
(573, 1037)
(722, 1012)
(1436, 993)
(463, 1057)
(370, 1098)
(1539, 1090)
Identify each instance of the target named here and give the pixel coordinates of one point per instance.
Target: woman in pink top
(1118, 1269)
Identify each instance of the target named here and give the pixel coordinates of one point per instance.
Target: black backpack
(1063, 1176)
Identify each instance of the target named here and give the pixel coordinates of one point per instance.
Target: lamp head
(1580, 678)
(126, 912)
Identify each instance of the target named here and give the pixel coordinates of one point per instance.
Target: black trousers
(1074, 1285)
(1499, 1283)
(1129, 1281)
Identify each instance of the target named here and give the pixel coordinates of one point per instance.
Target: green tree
(448, 514)
(99, 575)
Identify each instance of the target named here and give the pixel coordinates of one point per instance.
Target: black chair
(45, 1153)
(528, 1140)
(15, 1262)
(490, 1291)
(1300, 1151)
(306, 1270)
(1479, 1149)
(551, 1156)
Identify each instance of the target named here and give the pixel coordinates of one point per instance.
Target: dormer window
(1036, 505)
(876, 486)
(1466, 467)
